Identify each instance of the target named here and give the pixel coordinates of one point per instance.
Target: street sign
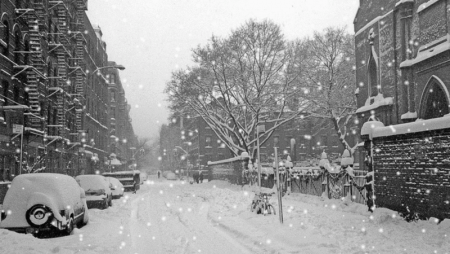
(17, 129)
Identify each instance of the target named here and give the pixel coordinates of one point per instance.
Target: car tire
(69, 227)
(84, 220)
(105, 205)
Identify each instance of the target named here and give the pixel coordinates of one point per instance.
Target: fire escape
(61, 52)
(35, 18)
(80, 65)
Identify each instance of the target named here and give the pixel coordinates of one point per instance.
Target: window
(324, 140)
(288, 142)
(208, 141)
(55, 74)
(373, 79)
(4, 37)
(16, 94)
(435, 102)
(275, 141)
(27, 49)
(17, 47)
(112, 78)
(49, 120)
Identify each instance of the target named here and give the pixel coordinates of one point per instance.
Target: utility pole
(259, 128)
(279, 193)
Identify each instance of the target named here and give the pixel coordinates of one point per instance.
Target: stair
(36, 60)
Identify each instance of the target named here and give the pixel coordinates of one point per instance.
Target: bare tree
(240, 82)
(329, 82)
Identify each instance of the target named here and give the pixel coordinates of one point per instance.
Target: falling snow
(171, 217)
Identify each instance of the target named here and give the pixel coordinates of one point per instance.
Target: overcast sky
(151, 38)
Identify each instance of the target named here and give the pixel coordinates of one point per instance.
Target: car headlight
(39, 215)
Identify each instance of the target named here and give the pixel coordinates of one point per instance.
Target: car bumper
(117, 196)
(96, 203)
(54, 225)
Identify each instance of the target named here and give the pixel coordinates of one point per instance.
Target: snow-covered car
(44, 202)
(143, 177)
(171, 176)
(98, 190)
(116, 187)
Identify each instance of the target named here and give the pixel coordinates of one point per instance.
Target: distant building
(121, 133)
(194, 136)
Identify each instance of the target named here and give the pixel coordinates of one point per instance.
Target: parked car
(143, 177)
(171, 176)
(116, 187)
(44, 202)
(129, 179)
(98, 190)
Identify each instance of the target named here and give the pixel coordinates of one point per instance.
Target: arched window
(4, 37)
(435, 100)
(17, 48)
(27, 49)
(373, 77)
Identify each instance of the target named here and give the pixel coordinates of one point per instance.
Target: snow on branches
(255, 76)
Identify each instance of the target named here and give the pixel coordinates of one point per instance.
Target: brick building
(403, 79)
(50, 84)
(196, 138)
(121, 133)
(94, 115)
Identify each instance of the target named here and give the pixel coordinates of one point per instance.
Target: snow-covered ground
(177, 217)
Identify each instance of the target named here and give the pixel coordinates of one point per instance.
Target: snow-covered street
(177, 217)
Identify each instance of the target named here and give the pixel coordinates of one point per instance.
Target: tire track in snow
(141, 238)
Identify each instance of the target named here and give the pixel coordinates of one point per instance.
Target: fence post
(349, 181)
(328, 185)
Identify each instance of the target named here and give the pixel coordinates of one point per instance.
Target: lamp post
(259, 128)
(118, 66)
(132, 157)
(187, 161)
(17, 129)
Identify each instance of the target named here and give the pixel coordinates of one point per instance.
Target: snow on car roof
(29, 189)
(47, 183)
(122, 172)
(93, 182)
(114, 181)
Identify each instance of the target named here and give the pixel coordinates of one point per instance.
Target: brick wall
(411, 173)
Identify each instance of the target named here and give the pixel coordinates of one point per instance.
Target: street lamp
(187, 160)
(117, 66)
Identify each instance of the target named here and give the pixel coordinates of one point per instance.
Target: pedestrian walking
(196, 176)
(200, 176)
(159, 174)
